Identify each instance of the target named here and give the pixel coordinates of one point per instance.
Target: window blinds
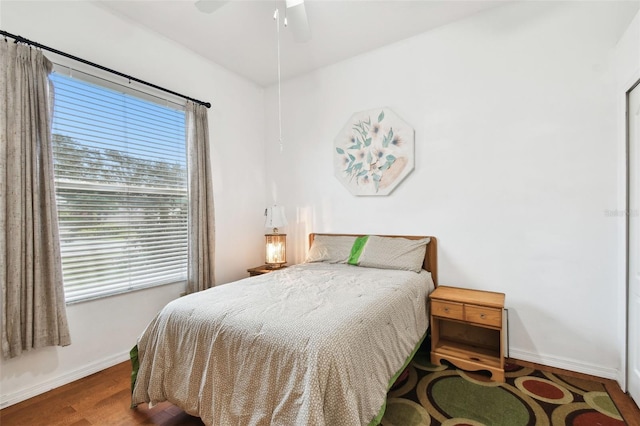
(121, 189)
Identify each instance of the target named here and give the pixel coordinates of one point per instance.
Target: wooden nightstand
(467, 329)
(262, 269)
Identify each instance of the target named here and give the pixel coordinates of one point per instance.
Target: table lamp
(276, 243)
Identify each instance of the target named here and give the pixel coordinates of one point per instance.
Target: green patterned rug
(441, 395)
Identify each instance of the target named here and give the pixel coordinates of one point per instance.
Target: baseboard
(71, 376)
(565, 364)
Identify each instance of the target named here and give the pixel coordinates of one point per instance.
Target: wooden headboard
(430, 262)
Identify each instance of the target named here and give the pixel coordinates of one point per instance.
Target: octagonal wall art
(374, 152)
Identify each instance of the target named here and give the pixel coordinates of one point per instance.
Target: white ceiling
(241, 34)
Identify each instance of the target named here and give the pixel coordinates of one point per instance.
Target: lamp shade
(275, 218)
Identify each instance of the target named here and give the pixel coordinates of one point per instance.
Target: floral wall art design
(374, 152)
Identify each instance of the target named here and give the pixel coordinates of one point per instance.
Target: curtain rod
(20, 39)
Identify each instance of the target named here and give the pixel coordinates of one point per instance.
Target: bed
(318, 343)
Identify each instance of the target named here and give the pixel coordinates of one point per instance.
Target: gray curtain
(33, 308)
(201, 213)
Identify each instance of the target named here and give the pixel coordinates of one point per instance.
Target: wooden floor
(103, 399)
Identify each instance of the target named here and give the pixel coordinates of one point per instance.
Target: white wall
(516, 165)
(103, 331)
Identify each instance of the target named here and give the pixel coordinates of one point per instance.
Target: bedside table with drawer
(467, 329)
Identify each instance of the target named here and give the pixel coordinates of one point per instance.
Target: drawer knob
(446, 310)
(483, 316)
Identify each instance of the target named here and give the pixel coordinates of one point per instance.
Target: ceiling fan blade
(298, 22)
(210, 6)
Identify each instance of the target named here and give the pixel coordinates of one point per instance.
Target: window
(121, 188)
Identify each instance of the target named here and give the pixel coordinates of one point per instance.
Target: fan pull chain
(276, 16)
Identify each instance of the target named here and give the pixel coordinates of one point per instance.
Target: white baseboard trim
(565, 364)
(66, 378)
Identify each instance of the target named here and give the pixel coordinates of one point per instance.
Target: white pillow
(393, 253)
(330, 248)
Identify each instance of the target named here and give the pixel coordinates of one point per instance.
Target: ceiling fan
(295, 16)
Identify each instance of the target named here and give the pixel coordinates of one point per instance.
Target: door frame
(627, 369)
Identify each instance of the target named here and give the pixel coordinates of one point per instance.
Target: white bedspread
(313, 344)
